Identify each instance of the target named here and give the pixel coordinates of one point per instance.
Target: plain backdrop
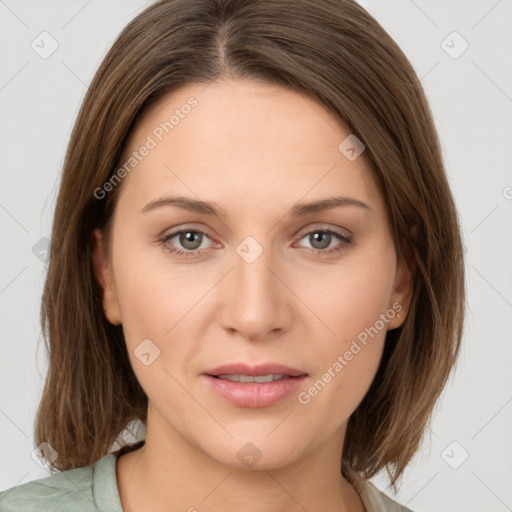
(462, 51)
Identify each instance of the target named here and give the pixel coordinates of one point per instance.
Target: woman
(256, 254)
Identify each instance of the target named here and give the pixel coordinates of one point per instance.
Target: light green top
(94, 489)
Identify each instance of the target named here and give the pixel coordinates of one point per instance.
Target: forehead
(244, 142)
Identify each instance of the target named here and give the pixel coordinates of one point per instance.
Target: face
(266, 281)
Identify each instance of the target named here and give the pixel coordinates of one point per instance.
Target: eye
(190, 239)
(323, 241)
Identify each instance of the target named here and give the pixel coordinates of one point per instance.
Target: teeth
(250, 378)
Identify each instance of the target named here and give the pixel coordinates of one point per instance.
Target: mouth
(254, 386)
(244, 370)
(253, 378)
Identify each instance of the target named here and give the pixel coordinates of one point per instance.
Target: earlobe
(103, 275)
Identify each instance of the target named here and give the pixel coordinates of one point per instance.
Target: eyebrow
(210, 208)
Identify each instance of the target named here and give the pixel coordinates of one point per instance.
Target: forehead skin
(247, 143)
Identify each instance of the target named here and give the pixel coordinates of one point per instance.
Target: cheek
(154, 304)
(346, 362)
(349, 298)
(159, 301)
(355, 307)
(153, 292)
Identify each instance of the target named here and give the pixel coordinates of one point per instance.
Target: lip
(254, 394)
(255, 370)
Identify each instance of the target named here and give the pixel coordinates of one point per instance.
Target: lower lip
(255, 394)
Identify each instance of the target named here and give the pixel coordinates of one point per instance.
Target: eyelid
(186, 227)
(324, 227)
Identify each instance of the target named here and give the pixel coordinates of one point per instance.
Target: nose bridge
(254, 279)
(257, 298)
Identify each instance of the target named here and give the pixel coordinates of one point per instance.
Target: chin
(255, 453)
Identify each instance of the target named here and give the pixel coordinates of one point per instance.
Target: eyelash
(318, 252)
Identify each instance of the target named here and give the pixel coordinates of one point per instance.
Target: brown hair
(334, 52)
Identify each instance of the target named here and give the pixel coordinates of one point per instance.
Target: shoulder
(377, 501)
(74, 489)
(60, 490)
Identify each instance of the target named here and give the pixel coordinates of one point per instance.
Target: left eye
(324, 240)
(191, 240)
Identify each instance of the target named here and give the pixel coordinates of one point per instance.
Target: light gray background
(471, 97)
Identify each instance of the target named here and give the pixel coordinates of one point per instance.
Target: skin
(255, 150)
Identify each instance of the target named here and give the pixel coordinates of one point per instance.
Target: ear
(103, 273)
(403, 288)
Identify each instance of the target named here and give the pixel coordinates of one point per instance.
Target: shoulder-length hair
(334, 52)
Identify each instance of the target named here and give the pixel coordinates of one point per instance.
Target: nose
(256, 303)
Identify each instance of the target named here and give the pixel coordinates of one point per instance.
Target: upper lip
(255, 370)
